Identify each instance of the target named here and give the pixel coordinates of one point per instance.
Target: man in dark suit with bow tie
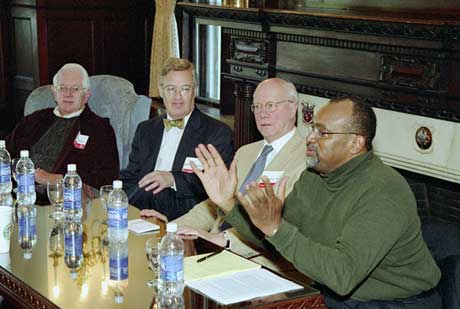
(158, 175)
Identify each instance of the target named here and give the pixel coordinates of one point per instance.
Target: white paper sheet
(241, 286)
(142, 226)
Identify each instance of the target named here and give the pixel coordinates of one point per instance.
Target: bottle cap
(27, 255)
(171, 227)
(119, 299)
(24, 153)
(2, 143)
(117, 184)
(73, 274)
(71, 167)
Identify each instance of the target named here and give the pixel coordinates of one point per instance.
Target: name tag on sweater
(187, 168)
(80, 141)
(273, 176)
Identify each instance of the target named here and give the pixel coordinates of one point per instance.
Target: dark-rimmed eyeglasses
(268, 106)
(322, 133)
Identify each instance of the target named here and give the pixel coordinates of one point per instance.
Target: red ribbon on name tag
(80, 141)
(78, 146)
(262, 185)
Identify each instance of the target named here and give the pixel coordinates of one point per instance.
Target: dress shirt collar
(68, 116)
(279, 143)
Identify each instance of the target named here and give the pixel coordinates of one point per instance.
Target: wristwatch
(227, 239)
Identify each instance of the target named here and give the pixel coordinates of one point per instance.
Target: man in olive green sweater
(350, 222)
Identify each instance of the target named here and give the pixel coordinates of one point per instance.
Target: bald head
(278, 84)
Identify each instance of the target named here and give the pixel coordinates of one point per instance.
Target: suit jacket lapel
(155, 137)
(280, 161)
(244, 164)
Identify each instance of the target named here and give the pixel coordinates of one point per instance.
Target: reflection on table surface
(37, 258)
(46, 272)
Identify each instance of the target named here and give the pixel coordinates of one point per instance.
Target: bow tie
(178, 123)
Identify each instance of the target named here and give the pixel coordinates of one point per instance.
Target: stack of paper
(228, 278)
(142, 226)
(221, 264)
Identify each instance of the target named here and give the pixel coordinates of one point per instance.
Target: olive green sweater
(355, 230)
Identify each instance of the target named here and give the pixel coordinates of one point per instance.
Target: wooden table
(44, 281)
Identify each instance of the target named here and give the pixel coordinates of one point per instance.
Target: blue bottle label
(72, 199)
(26, 183)
(117, 217)
(27, 226)
(73, 244)
(5, 173)
(118, 268)
(171, 268)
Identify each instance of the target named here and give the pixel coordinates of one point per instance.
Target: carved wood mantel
(406, 61)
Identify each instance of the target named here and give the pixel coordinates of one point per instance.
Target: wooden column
(245, 126)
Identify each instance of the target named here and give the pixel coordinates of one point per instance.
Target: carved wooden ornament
(423, 138)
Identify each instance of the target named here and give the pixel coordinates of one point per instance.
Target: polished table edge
(307, 302)
(20, 294)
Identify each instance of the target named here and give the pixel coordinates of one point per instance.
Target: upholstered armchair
(111, 97)
(443, 240)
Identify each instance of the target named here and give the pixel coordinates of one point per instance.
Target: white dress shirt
(169, 144)
(277, 145)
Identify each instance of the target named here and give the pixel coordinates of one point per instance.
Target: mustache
(312, 146)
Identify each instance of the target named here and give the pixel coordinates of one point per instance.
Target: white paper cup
(5, 228)
(5, 260)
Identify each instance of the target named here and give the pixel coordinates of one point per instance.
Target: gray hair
(85, 83)
(292, 91)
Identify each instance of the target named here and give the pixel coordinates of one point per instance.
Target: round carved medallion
(423, 138)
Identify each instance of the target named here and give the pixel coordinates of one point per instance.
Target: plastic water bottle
(25, 174)
(5, 169)
(27, 231)
(169, 302)
(117, 213)
(118, 269)
(73, 246)
(171, 279)
(72, 194)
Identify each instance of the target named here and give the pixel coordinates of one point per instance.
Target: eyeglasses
(184, 90)
(268, 106)
(320, 133)
(71, 89)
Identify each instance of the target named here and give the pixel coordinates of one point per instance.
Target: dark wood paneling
(406, 60)
(105, 36)
(60, 35)
(115, 41)
(25, 49)
(3, 51)
(6, 116)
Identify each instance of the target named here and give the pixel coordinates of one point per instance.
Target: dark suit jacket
(97, 164)
(200, 129)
